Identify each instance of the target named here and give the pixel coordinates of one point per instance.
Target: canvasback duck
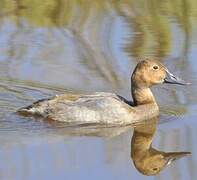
(108, 108)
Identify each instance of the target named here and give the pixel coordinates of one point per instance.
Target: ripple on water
(14, 95)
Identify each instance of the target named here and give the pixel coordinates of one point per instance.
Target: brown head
(147, 73)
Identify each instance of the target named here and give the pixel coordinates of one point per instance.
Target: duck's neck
(143, 137)
(142, 95)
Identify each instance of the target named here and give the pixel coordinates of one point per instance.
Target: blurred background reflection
(55, 46)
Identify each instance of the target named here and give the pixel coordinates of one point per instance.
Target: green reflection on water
(150, 21)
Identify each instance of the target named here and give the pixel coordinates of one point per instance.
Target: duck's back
(101, 107)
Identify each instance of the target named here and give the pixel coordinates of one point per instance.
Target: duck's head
(149, 72)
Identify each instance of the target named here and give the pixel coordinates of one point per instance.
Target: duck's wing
(100, 106)
(130, 103)
(41, 106)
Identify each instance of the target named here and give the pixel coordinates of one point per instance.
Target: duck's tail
(37, 108)
(29, 110)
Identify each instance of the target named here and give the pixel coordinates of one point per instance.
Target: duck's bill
(172, 79)
(172, 156)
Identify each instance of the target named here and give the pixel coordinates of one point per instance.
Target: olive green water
(55, 46)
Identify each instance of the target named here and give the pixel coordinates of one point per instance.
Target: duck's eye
(155, 169)
(155, 67)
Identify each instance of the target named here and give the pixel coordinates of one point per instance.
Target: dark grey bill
(172, 156)
(172, 79)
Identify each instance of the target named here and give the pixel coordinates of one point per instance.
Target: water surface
(52, 47)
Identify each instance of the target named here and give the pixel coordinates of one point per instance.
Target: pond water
(57, 46)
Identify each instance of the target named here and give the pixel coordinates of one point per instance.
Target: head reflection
(146, 159)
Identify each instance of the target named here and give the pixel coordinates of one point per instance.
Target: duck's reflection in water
(147, 160)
